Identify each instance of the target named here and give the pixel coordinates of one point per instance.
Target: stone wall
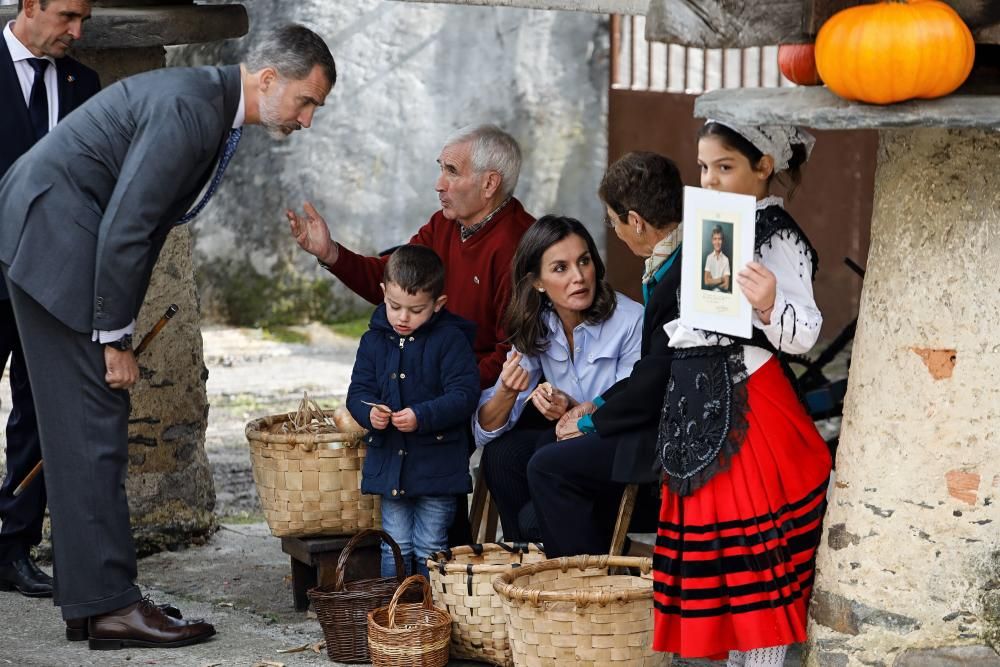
(409, 75)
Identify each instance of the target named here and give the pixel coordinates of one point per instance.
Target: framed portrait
(718, 242)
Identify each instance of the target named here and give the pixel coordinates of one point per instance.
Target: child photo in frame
(717, 248)
(718, 240)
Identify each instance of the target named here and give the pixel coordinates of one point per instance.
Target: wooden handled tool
(143, 344)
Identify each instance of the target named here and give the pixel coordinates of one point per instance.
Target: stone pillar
(170, 489)
(909, 570)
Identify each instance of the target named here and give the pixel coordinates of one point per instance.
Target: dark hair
(790, 178)
(718, 230)
(523, 319)
(415, 269)
(42, 4)
(293, 51)
(647, 183)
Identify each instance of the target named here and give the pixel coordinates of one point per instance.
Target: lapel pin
(475, 279)
(70, 78)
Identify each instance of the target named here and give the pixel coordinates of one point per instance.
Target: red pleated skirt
(733, 562)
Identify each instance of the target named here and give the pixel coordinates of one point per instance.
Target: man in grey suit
(83, 217)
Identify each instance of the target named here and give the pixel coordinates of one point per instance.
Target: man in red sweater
(475, 233)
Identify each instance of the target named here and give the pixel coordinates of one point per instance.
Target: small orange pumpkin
(798, 63)
(895, 50)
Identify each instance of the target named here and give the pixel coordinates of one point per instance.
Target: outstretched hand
(312, 234)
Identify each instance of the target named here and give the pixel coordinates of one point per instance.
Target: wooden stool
(314, 561)
(483, 513)
(625, 509)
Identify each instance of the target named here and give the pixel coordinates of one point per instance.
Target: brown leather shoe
(76, 628)
(144, 625)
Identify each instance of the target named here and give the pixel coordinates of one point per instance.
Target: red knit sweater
(477, 276)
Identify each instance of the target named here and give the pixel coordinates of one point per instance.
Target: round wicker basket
(462, 579)
(411, 634)
(309, 483)
(572, 611)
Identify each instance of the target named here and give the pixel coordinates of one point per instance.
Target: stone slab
(631, 7)
(119, 27)
(715, 24)
(818, 108)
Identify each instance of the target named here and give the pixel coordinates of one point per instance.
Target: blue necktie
(227, 155)
(38, 101)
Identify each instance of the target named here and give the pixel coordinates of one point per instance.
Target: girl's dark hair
(647, 183)
(523, 319)
(790, 178)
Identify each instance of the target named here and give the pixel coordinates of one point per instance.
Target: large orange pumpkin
(895, 50)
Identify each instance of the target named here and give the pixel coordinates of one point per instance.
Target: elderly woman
(566, 325)
(576, 483)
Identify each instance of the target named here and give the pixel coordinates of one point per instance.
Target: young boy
(415, 386)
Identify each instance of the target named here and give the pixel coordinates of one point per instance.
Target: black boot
(22, 576)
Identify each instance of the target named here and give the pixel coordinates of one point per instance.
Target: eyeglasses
(610, 222)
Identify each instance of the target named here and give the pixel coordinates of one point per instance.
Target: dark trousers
(574, 497)
(505, 468)
(83, 427)
(21, 517)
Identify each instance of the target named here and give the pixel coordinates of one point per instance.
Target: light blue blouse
(604, 354)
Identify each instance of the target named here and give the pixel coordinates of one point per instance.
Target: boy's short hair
(416, 268)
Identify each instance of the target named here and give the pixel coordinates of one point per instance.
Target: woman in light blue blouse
(568, 327)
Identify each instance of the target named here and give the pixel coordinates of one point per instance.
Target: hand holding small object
(405, 420)
(379, 416)
(513, 378)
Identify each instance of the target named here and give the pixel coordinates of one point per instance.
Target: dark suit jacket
(85, 212)
(76, 83)
(631, 412)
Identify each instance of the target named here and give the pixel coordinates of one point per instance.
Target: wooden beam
(631, 7)
(717, 24)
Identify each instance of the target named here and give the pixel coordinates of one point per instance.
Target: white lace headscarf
(774, 140)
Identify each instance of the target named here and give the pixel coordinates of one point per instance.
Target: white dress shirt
(795, 319)
(602, 355)
(20, 54)
(717, 265)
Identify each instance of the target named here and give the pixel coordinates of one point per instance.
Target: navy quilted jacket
(434, 372)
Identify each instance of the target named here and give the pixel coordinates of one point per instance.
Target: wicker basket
(405, 635)
(342, 609)
(570, 611)
(310, 483)
(463, 581)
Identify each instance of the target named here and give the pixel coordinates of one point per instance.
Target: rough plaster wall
(408, 76)
(910, 565)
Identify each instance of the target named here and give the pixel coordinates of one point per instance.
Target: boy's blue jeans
(419, 526)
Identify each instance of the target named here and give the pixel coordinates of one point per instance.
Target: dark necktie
(227, 155)
(38, 102)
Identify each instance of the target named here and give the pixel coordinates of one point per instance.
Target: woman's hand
(550, 401)
(405, 420)
(566, 428)
(759, 287)
(513, 378)
(379, 416)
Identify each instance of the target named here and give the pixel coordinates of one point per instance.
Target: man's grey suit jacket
(84, 214)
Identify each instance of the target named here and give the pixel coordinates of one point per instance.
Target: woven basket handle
(345, 553)
(414, 579)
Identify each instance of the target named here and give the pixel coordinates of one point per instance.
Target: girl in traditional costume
(745, 471)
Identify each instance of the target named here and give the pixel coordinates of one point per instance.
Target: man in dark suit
(83, 216)
(42, 84)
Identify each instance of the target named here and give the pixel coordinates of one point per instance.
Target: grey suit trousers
(83, 425)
